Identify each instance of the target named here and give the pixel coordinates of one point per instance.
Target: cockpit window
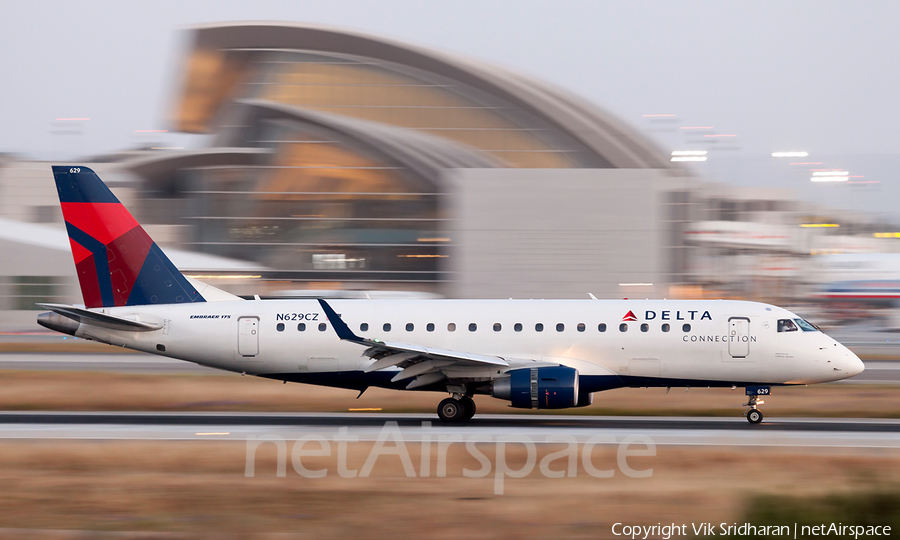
(805, 325)
(786, 325)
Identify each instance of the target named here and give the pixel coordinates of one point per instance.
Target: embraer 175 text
(547, 354)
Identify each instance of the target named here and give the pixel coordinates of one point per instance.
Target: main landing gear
(754, 415)
(458, 408)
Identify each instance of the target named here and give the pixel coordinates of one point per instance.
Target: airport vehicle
(547, 354)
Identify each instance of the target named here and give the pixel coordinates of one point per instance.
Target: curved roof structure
(421, 153)
(158, 166)
(499, 113)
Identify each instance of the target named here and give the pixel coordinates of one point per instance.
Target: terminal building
(354, 161)
(344, 161)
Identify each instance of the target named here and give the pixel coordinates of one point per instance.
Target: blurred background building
(345, 162)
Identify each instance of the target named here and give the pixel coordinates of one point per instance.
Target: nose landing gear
(754, 415)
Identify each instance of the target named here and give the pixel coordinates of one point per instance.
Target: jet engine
(550, 387)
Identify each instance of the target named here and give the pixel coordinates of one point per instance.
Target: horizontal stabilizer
(112, 322)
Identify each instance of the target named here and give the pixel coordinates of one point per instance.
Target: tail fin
(118, 264)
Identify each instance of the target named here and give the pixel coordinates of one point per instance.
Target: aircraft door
(739, 337)
(248, 336)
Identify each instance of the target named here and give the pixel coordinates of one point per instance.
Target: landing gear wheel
(451, 410)
(754, 416)
(468, 408)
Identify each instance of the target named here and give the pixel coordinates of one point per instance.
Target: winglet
(343, 331)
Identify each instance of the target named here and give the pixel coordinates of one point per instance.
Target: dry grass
(99, 391)
(199, 489)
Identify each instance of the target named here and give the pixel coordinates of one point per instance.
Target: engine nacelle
(552, 387)
(55, 321)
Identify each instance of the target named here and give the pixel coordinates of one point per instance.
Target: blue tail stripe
(159, 282)
(101, 262)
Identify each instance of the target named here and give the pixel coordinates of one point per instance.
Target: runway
(776, 432)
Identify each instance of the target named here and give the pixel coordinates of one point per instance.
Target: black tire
(754, 416)
(468, 408)
(451, 410)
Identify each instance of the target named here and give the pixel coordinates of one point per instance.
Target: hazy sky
(819, 76)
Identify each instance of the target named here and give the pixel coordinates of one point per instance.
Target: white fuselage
(714, 343)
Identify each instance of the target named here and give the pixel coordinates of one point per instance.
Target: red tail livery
(118, 264)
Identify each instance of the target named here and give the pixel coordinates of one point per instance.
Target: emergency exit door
(739, 337)
(248, 336)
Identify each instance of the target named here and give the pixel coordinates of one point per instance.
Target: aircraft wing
(423, 363)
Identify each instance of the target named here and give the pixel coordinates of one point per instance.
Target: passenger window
(429, 327)
(786, 325)
(364, 327)
(410, 327)
(665, 327)
(301, 327)
(539, 327)
(581, 327)
(386, 327)
(451, 327)
(645, 327)
(686, 327)
(806, 326)
(497, 327)
(280, 327)
(518, 327)
(560, 327)
(322, 327)
(623, 327)
(473, 327)
(601, 327)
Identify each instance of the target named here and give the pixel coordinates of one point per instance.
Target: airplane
(535, 354)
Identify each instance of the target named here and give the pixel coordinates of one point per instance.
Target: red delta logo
(629, 316)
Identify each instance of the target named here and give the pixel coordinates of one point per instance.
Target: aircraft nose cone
(847, 362)
(855, 366)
